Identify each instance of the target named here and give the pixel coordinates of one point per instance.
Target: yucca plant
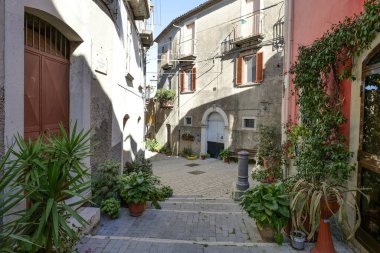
(10, 196)
(53, 172)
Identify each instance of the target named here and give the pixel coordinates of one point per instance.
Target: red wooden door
(46, 96)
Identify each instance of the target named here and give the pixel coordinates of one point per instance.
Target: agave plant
(52, 172)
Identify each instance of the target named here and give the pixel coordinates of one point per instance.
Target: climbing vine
(318, 72)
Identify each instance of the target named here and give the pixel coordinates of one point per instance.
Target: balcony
(165, 61)
(248, 30)
(140, 9)
(146, 37)
(186, 52)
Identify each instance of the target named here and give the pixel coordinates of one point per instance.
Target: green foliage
(186, 152)
(111, 207)
(10, 196)
(153, 145)
(138, 187)
(225, 153)
(323, 155)
(165, 95)
(323, 165)
(270, 175)
(139, 164)
(268, 204)
(105, 183)
(269, 142)
(166, 192)
(53, 172)
(166, 150)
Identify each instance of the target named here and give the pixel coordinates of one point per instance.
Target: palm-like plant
(53, 172)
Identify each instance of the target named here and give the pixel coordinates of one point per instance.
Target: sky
(164, 12)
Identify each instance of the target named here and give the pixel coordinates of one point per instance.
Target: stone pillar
(242, 184)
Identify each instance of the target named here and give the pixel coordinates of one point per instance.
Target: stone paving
(199, 218)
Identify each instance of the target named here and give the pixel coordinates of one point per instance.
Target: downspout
(178, 102)
(287, 63)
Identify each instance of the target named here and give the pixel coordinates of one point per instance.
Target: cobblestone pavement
(216, 180)
(199, 218)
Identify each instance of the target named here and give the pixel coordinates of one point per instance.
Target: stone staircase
(189, 224)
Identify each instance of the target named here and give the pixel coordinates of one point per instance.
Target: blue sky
(164, 12)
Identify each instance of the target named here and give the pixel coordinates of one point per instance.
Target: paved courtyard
(200, 217)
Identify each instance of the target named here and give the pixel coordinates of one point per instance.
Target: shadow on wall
(262, 102)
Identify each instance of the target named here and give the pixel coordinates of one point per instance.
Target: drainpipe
(287, 63)
(178, 101)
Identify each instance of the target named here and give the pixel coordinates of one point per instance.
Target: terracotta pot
(136, 210)
(325, 242)
(226, 160)
(266, 232)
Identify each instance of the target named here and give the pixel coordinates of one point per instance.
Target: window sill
(247, 85)
(187, 92)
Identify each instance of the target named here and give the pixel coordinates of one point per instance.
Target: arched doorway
(369, 153)
(46, 78)
(214, 132)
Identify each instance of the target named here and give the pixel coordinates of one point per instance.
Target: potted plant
(269, 146)
(268, 204)
(225, 155)
(136, 188)
(270, 176)
(297, 239)
(204, 156)
(111, 207)
(165, 97)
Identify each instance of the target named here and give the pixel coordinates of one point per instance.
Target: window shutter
(259, 67)
(182, 80)
(239, 71)
(193, 79)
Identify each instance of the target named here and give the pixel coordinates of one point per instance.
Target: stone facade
(218, 94)
(106, 47)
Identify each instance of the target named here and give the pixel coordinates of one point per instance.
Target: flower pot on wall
(136, 210)
(166, 104)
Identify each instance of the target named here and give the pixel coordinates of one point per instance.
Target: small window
(188, 121)
(249, 123)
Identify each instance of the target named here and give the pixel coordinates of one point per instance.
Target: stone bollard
(242, 184)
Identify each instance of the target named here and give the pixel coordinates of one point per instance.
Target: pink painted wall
(311, 19)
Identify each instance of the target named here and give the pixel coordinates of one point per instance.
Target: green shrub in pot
(268, 204)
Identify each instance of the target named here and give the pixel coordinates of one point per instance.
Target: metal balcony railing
(249, 27)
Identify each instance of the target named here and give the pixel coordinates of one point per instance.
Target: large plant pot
(325, 242)
(266, 232)
(136, 210)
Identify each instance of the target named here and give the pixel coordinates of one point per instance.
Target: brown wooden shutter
(182, 80)
(239, 71)
(193, 79)
(259, 67)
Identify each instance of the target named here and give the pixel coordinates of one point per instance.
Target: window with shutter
(259, 67)
(188, 80)
(249, 69)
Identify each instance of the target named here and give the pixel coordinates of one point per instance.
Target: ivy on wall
(318, 72)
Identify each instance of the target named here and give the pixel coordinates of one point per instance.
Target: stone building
(75, 61)
(224, 60)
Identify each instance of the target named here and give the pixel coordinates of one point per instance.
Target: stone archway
(204, 127)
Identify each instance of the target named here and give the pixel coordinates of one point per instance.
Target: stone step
(201, 206)
(142, 244)
(182, 225)
(89, 214)
(201, 200)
